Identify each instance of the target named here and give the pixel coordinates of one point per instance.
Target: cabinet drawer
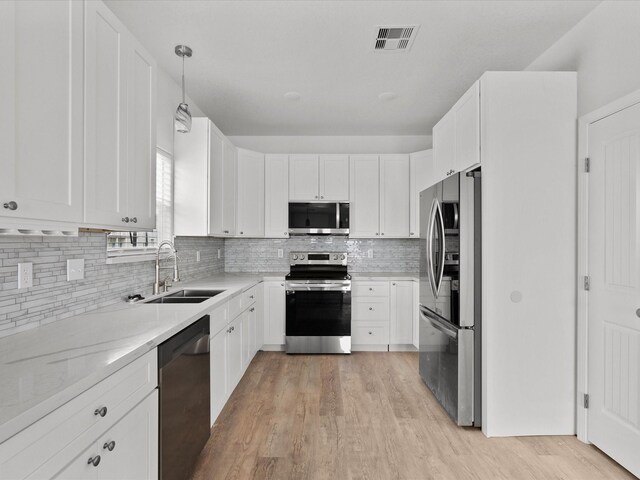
(370, 289)
(249, 297)
(369, 335)
(218, 319)
(235, 307)
(28, 450)
(370, 309)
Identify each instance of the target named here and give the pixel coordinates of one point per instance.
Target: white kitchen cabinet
(401, 306)
(274, 313)
(251, 187)
(120, 125)
(319, 177)
(229, 185)
(364, 214)
(276, 195)
(444, 148)
(420, 173)
(234, 353)
(42, 95)
(394, 196)
(218, 355)
(249, 345)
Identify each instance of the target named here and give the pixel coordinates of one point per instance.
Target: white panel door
(444, 147)
(614, 295)
(216, 179)
(106, 66)
(234, 353)
(364, 221)
(129, 449)
(250, 194)
(229, 175)
(41, 131)
(141, 127)
(274, 313)
(303, 178)
(219, 382)
(467, 127)
(394, 196)
(247, 332)
(276, 196)
(401, 305)
(334, 177)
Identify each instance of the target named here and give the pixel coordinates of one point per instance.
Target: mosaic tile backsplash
(52, 297)
(261, 255)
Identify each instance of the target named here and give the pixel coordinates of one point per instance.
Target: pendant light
(182, 118)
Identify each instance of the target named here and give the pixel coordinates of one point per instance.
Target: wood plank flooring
(369, 416)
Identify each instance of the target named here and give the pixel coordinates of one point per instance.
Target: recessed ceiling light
(293, 96)
(387, 96)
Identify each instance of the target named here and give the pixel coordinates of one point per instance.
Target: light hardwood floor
(369, 416)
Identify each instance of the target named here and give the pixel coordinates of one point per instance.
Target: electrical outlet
(75, 269)
(25, 275)
(197, 255)
(370, 253)
(219, 254)
(280, 253)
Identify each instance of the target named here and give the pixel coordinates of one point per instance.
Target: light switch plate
(219, 254)
(197, 255)
(280, 253)
(75, 269)
(370, 253)
(25, 275)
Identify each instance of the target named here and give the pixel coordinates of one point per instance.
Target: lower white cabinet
(401, 306)
(234, 353)
(218, 371)
(274, 313)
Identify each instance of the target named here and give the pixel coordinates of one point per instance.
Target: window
(139, 246)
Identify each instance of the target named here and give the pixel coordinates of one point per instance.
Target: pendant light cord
(183, 78)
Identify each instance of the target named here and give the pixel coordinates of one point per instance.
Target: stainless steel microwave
(319, 218)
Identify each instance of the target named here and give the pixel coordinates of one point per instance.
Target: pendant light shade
(182, 118)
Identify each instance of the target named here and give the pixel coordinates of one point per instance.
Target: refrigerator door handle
(442, 249)
(438, 322)
(435, 277)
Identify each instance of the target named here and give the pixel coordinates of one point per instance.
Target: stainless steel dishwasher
(183, 379)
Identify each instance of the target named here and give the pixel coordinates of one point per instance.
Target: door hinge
(585, 400)
(587, 282)
(587, 165)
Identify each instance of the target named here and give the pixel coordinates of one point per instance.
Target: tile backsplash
(52, 297)
(261, 255)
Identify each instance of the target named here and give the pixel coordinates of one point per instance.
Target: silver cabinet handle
(241, 233)
(251, 296)
(371, 308)
(377, 233)
(370, 333)
(370, 289)
(316, 196)
(382, 233)
(225, 231)
(134, 219)
(411, 233)
(394, 284)
(125, 219)
(252, 309)
(282, 284)
(11, 205)
(102, 411)
(95, 461)
(321, 196)
(109, 445)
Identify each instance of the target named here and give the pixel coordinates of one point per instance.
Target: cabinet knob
(282, 284)
(241, 233)
(377, 233)
(134, 219)
(11, 205)
(411, 233)
(370, 333)
(225, 231)
(321, 196)
(109, 445)
(382, 233)
(370, 308)
(95, 461)
(394, 284)
(102, 411)
(252, 309)
(125, 219)
(316, 197)
(370, 289)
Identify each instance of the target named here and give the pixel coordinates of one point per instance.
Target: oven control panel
(318, 258)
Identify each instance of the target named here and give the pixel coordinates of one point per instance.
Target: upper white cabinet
(228, 184)
(251, 186)
(319, 177)
(41, 131)
(276, 195)
(379, 196)
(120, 85)
(420, 173)
(456, 137)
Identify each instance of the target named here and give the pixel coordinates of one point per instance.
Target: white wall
(603, 48)
(334, 144)
(169, 96)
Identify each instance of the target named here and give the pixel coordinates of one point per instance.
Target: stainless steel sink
(187, 296)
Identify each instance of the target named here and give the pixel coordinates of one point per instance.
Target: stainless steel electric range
(318, 303)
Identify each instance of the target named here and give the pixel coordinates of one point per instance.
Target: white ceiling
(248, 54)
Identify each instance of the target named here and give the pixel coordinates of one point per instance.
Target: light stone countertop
(45, 367)
(385, 276)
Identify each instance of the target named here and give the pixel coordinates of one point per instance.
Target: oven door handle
(438, 322)
(317, 287)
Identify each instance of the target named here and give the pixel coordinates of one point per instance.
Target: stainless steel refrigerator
(450, 295)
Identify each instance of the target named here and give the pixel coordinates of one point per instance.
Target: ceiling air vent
(396, 39)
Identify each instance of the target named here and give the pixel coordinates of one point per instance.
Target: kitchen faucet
(176, 275)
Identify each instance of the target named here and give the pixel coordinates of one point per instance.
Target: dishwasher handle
(189, 341)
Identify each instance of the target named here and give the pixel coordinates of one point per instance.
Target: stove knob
(301, 257)
(335, 257)
(295, 257)
(342, 257)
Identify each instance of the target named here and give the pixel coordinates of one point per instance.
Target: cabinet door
(419, 165)
(444, 148)
(401, 306)
(394, 196)
(467, 126)
(276, 194)
(129, 449)
(334, 177)
(247, 332)
(274, 313)
(229, 175)
(141, 128)
(250, 194)
(41, 132)
(364, 221)
(106, 68)
(219, 383)
(216, 180)
(234, 353)
(253, 331)
(79, 468)
(303, 178)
